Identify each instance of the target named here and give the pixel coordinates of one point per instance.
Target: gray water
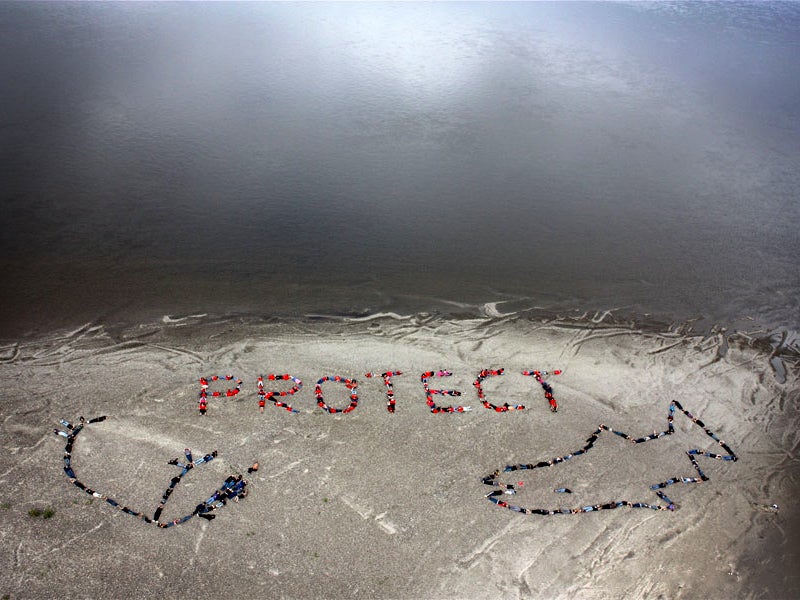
(284, 159)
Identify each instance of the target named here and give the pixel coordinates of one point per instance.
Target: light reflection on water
(277, 158)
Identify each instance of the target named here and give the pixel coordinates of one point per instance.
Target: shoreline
(778, 344)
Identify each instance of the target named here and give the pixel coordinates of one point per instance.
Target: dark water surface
(296, 158)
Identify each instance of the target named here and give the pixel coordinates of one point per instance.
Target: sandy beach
(373, 504)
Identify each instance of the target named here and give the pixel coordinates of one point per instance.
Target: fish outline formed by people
(233, 488)
(693, 454)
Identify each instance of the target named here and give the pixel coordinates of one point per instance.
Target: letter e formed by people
(429, 393)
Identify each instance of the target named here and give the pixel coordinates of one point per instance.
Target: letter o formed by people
(350, 384)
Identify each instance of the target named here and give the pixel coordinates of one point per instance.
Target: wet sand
(377, 505)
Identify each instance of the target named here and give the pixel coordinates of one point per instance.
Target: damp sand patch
(379, 504)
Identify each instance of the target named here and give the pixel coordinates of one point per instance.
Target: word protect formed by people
(351, 385)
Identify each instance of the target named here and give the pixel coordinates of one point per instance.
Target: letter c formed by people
(482, 397)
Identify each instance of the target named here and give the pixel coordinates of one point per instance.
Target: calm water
(294, 158)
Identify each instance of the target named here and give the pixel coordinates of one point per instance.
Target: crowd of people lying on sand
(235, 487)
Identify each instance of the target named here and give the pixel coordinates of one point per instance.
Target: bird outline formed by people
(658, 487)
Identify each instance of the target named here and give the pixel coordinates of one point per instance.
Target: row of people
(185, 468)
(232, 489)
